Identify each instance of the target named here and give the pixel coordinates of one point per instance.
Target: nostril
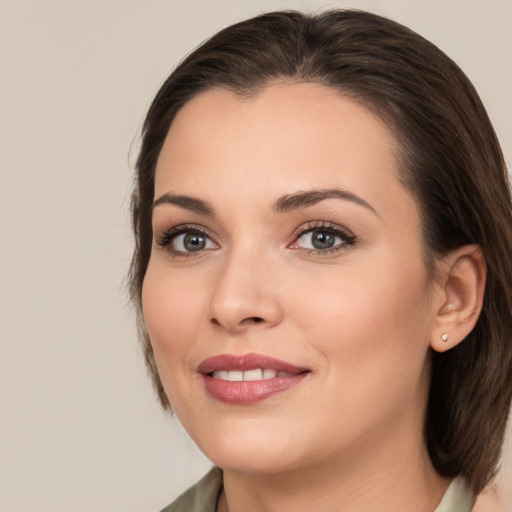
(236, 325)
(255, 319)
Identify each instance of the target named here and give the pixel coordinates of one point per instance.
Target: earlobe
(461, 278)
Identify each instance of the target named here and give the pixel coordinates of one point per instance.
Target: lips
(249, 378)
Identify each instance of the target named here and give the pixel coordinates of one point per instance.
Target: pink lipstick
(249, 378)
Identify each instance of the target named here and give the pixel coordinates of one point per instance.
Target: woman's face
(288, 254)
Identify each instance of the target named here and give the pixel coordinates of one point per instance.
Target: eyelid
(165, 237)
(348, 239)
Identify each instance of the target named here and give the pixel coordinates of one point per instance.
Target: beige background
(80, 429)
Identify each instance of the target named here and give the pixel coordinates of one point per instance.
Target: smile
(248, 379)
(249, 375)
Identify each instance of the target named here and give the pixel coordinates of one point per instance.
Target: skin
(361, 318)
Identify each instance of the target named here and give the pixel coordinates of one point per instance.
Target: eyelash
(348, 239)
(169, 236)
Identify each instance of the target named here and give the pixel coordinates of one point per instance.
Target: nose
(245, 295)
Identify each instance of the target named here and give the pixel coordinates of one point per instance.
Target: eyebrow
(189, 203)
(286, 203)
(301, 200)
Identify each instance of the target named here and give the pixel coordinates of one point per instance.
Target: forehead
(283, 111)
(290, 137)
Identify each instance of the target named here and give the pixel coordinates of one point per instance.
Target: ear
(461, 281)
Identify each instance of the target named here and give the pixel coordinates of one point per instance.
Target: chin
(247, 448)
(254, 461)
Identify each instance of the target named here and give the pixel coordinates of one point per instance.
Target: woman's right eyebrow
(189, 203)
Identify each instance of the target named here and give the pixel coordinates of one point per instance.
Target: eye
(319, 240)
(190, 242)
(185, 240)
(323, 237)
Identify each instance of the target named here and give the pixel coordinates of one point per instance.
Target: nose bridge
(244, 294)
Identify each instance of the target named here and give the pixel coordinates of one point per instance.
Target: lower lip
(249, 392)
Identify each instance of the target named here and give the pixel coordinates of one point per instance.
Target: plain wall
(80, 429)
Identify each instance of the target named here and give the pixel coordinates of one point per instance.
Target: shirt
(203, 496)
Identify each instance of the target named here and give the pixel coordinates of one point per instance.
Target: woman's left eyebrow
(308, 198)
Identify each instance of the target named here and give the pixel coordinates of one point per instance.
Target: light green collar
(458, 498)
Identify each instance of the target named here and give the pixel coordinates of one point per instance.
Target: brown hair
(450, 159)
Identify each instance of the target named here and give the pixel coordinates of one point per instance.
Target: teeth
(253, 375)
(249, 375)
(269, 374)
(235, 376)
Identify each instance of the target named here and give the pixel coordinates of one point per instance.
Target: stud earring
(444, 336)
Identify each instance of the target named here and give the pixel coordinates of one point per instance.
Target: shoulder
(202, 497)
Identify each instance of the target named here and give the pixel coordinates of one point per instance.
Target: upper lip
(252, 361)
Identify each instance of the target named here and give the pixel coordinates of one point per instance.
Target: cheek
(172, 310)
(377, 311)
(372, 330)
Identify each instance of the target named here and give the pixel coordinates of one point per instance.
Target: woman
(321, 203)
